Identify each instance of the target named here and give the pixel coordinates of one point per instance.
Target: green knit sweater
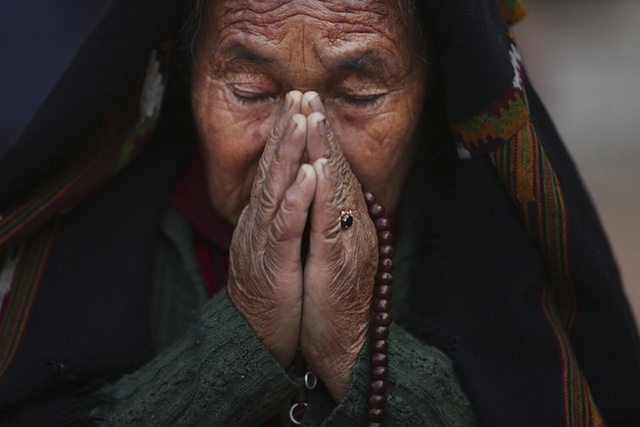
(213, 370)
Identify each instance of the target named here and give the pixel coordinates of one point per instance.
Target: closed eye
(247, 99)
(361, 101)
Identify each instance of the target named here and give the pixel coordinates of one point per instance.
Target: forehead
(365, 34)
(272, 22)
(347, 12)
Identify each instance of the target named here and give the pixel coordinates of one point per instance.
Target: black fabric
(90, 318)
(478, 296)
(485, 295)
(471, 41)
(605, 337)
(110, 56)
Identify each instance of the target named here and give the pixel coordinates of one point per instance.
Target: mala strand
(381, 313)
(380, 328)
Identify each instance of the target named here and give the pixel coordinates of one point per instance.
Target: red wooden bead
(379, 359)
(385, 264)
(383, 224)
(387, 251)
(383, 318)
(383, 291)
(379, 346)
(378, 387)
(385, 238)
(376, 211)
(377, 401)
(381, 305)
(380, 332)
(369, 198)
(384, 278)
(380, 372)
(376, 414)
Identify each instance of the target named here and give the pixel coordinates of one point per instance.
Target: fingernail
(288, 102)
(322, 127)
(293, 124)
(301, 175)
(326, 168)
(316, 103)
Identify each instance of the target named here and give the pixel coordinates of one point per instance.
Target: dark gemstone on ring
(346, 219)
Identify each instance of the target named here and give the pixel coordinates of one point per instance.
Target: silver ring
(310, 380)
(291, 417)
(346, 219)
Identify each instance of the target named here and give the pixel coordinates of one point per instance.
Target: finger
(329, 200)
(317, 142)
(290, 107)
(287, 228)
(337, 190)
(282, 169)
(322, 143)
(311, 103)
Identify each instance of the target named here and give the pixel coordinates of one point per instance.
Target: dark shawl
(520, 287)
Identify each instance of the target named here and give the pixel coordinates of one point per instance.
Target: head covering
(519, 284)
(525, 282)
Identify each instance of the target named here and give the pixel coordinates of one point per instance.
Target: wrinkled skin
(298, 104)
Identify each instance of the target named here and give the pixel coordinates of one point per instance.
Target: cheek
(226, 126)
(374, 147)
(231, 138)
(379, 149)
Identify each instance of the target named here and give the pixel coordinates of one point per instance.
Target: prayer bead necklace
(381, 313)
(381, 320)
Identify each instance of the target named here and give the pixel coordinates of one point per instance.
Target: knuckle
(279, 230)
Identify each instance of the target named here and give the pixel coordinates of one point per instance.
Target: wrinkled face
(356, 54)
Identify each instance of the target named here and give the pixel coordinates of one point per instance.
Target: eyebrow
(367, 63)
(239, 52)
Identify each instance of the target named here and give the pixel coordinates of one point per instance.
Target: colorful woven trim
(16, 306)
(580, 408)
(513, 11)
(104, 149)
(533, 185)
(487, 131)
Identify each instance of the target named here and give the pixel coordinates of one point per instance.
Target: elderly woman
(322, 129)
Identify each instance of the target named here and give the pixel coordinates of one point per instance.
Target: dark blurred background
(583, 56)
